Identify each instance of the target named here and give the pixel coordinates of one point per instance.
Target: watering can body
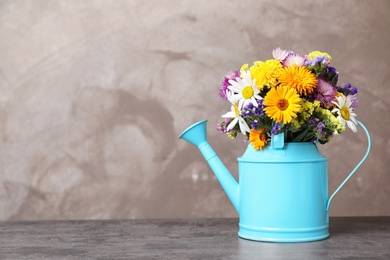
(282, 192)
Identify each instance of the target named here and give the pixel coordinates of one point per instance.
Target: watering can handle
(357, 166)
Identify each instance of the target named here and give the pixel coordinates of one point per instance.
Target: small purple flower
(255, 124)
(222, 127)
(246, 113)
(332, 70)
(318, 59)
(259, 111)
(351, 89)
(225, 83)
(250, 110)
(320, 127)
(348, 89)
(330, 74)
(313, 120)
(275, 129)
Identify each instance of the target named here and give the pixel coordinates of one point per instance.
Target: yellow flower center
(282, 104)
(345, 113)
(247, 92)
(236, 109)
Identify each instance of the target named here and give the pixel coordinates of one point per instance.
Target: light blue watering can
(282, 194)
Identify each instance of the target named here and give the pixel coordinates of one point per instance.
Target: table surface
(350, 238)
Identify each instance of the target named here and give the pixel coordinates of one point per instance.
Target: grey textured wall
(93, 95)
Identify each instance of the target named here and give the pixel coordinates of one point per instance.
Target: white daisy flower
(345, 112)
(244, 91)
(235, 113)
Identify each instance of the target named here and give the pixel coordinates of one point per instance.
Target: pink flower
(225, 83)
(279, 54)
(294, 58)
(326, 92)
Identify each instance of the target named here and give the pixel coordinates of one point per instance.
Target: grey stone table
(350, 238)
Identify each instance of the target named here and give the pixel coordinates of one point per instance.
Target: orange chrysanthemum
(299, 78)
(258, 138)
(281, 104)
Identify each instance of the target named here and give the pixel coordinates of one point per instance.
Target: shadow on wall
(97, 170)
(117, 158)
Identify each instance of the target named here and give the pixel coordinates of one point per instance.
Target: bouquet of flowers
(293, 94)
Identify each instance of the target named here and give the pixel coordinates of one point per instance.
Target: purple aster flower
(354, 100)
(225, 83)
(326, 92)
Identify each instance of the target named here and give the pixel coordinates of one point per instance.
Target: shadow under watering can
(282, 193)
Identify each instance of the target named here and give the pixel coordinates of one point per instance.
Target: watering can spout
(196, 134)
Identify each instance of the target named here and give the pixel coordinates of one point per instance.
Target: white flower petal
(258, 97)
(241, 103)
(352, 126)
(254, 102)
(243, 126)
(232, 124)
(247, 79)
(234, 88)
(352, 118)
(230, 114)
(241, 83)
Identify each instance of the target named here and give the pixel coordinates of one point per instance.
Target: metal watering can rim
(196, 134)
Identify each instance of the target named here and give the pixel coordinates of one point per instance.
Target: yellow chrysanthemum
(258, 138)
(299, 78)
(329, 119)
(266, 73)
(307, 109)
(315, 54)
(296, 124)
(244, 67)
(281, 104)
